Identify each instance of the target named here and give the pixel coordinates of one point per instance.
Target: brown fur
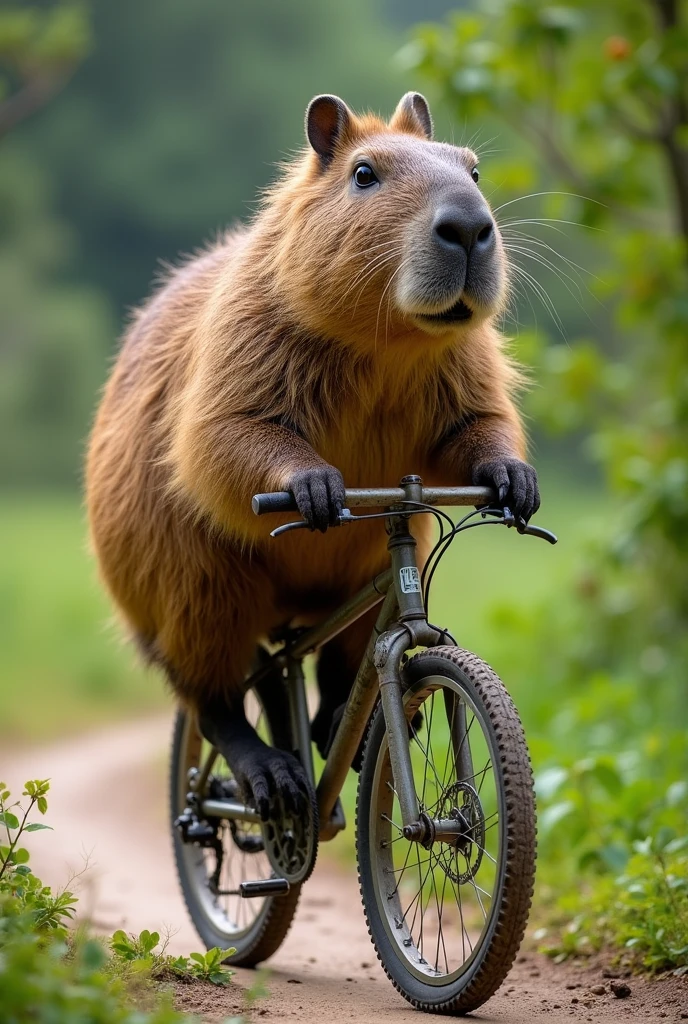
(277, 348)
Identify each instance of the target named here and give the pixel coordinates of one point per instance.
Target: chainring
(291, 841)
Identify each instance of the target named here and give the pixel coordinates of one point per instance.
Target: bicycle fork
(412, 630)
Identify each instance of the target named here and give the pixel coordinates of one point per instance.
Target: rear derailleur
(198, 831)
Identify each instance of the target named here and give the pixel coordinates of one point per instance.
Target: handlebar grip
(278, 501)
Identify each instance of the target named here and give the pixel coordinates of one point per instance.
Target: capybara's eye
(475, 174)
(364, 175)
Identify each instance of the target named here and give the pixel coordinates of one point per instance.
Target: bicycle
(445, 816)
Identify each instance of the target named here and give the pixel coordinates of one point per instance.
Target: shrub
(50, 975)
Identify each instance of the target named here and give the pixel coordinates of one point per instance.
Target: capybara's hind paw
(265, 775)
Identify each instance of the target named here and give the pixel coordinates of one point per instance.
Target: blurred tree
(54, 336)
(600, 94)
(164, 135)
(40, 47)
(182, 112)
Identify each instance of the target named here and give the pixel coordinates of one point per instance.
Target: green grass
(64, 667)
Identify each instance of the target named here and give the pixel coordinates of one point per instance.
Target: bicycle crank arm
(264, 887)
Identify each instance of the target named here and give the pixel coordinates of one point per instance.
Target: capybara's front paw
(319, 494)
(515, 481)
(264, 775)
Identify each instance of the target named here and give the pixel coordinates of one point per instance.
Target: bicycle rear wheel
(447, 917)
(254, 927)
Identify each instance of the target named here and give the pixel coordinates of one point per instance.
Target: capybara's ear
(327, 118)
(412, 114)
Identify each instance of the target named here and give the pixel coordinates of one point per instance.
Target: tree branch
(560, 163)
(677, 108)
(27, 100)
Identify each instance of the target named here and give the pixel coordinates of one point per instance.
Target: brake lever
(528, 529)
(539, 531)
(345, 516)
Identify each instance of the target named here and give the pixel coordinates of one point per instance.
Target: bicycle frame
(401, 625)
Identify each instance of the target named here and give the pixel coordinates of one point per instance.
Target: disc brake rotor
(460, 861)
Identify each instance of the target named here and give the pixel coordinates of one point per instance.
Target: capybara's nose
(463, 227)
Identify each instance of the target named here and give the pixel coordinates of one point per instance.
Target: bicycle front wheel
(447, 917)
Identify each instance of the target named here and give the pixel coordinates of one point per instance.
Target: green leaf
(662, 838)
(93, 955)
(555, 813)
(42, 804)
(677, 845)
(548, 781)
(20, 855)
(198, 957)
(677, 793)
(148, 940)
(608, 777)
(221, 977)
(9, 819)
(37, 826)
(615, 856)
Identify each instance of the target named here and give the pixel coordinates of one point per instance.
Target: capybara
(346, 335)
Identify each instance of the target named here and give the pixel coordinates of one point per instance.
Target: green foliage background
(131, 132)
(594, 101)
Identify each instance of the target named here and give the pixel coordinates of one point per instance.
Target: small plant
(206, 966)
(649, 909)
(12, 855)
(146, 952)
(643, 911)
(49, 912)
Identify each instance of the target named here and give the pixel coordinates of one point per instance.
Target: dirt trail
(108, 807)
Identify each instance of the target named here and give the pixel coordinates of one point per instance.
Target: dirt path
(108, 807)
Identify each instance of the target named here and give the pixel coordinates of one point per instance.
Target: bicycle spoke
(483, 851)
(483, 773)
(475, 887)
(425, 768)
(389, 842)
(440, 937)
(415, 898)
(455, 704)
(415, 737)
(393, 871)
(431, 756)
(386, 817)
(470, 778)
(464, 930)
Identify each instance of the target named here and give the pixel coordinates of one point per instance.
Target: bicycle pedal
(264, 887)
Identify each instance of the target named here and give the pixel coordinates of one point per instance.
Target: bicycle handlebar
(283, 501)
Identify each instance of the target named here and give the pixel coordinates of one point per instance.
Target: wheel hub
(461, 804)
(460, 826)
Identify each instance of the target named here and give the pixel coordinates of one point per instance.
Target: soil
(108, 808)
